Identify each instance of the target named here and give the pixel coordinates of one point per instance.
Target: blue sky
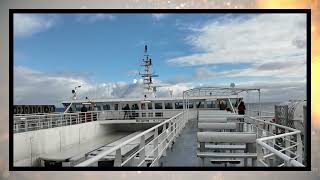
(98, 47)
(187, 49)
(108, 49)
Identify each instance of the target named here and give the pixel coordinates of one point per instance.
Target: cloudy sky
(53, 53)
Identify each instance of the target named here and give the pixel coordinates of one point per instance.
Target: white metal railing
(261, 114)
(164, 134)
(277, 145)
(31, 122)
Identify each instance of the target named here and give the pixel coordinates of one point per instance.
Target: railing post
(172, 134)
(41, 124)
(26, 124)
(142, 153)
(156, 147)
(164, 139)
(16, 127)
(299, 148)
(259, 156)
(175, 129)
(179, 126)
(287, 143)
(118, 158)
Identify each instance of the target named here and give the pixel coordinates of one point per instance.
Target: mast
(147, 75)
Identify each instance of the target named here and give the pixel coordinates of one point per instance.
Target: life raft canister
(46, 109)
(39, 109)
(15, 109)
(26, 110)
(22, 110)
(18, 109)
(34, 109)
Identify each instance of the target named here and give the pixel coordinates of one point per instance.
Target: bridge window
(106, 107)
(178, 105)
(158, 105)
(135, 107)
(210, 104)
(190, 104)
(199, 104)
(143, 106)
(149, 105)
(168, 105)
(116, 106)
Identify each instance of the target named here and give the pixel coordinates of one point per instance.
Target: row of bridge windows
(158, 105)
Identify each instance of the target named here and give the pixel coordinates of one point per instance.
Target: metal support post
(156, 147)
(118, 158)
(142, 153)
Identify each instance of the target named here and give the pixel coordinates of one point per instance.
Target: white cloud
(274, 46)
(134, 81)
(276, 91)
(159, 16)
(29, 24)
(258, 39)
(272, 69)
(91, 18)
(35, 87)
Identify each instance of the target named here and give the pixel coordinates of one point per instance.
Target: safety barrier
(277, 145)
(164, 134)
(31, 122)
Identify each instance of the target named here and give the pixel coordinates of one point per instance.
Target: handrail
(105, 153)
(231, 105)
(267, 112)
(291, 147)
(279, 136)
(31, 122)
(270, 123)
(289, 160)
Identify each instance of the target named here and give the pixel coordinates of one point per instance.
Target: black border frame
(67, 11)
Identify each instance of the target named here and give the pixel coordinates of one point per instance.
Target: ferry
(200, 128)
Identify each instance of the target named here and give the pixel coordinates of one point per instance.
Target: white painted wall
(28, 146)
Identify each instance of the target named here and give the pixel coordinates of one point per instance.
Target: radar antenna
(147, 75)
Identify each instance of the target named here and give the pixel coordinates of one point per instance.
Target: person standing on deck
(241, 108)
(126, 113)
(222, 105)
(83, 112)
